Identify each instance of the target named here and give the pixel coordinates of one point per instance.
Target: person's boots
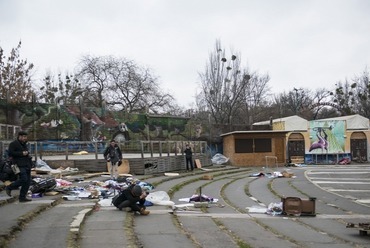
(143, 211)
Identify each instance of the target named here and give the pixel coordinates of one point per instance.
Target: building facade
(296, 140)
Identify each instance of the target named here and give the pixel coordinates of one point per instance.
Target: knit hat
(137, 190)
(21, 133)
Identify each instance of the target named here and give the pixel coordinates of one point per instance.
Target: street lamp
(210, 130)
(298, 102)
(58, 121)
(248, 102)
(7, 115)
(33, 115)
(81, 118)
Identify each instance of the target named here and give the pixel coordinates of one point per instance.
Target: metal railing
(68, 149)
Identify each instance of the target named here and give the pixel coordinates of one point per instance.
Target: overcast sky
(299, 43)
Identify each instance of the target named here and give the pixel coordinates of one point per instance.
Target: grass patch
(236, 238)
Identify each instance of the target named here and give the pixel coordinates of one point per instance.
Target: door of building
(296, 149)
(359, 147)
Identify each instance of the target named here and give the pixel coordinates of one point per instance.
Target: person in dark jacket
(19, 154)
(113, 155)
(189, 157)
(134, 198)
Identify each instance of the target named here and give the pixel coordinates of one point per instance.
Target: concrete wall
(138, 166)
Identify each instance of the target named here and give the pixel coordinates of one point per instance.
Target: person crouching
(134, 198)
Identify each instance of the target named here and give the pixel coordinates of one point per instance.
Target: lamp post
(210, 130)
(298, 102)
(7, 115)
(33, 115)
(81, 118)
(58, 121)
(248, 102)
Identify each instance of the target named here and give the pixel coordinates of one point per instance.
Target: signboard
(327, 137)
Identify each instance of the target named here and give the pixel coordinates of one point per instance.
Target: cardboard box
(309, 207)
(124, 168)
(299, 207)
(198, 164)
(292, 206)
(287, 174)
(207, 177)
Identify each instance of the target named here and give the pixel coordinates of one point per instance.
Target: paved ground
(342, 192)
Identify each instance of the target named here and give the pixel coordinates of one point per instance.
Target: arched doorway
(296, 148)
(359, 147)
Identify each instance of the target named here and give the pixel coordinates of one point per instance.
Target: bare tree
(223, 85)
(66, 89)
(15, 77)
(15, 85)
(256, 97)
(135, 89)
(93, 73)
(294, 102)
(344, 97)
(353, 97)
(321, 106)
(363, 93)
(122, 85)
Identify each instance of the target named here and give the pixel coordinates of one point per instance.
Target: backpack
(118, 199)
(42, 185)
(6, 172)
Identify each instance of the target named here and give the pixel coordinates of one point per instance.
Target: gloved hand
(108, 159)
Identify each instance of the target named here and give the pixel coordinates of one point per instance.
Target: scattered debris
(201, 204)
(171, 174)
(363, 228)
(257, 209)
(207, 177)
(81, 153)
(275, 209)
(344, 161)
(71, 197)
(218, 158)
(160, 198)
(275, 174)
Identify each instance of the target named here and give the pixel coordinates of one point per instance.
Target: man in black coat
(133, 197)
(189, 157)
(19, 154)
(113, 155)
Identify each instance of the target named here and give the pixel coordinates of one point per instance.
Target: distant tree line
(231, 96)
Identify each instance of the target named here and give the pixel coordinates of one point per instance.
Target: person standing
(113, 155)
(189, 157)
(19, 155)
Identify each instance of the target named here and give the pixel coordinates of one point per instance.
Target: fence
(145, 157)
(8, 132)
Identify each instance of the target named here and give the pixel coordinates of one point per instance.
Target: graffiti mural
(327, 137)
(327, 142)
(74, 122)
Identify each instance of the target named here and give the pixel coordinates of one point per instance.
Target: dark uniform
(131, 198)
(19, 154)
(189, 157)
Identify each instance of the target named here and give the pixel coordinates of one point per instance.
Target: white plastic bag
(275, 208)
(257, 209)
(218, 158)
(41, 164)
(159, 198)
